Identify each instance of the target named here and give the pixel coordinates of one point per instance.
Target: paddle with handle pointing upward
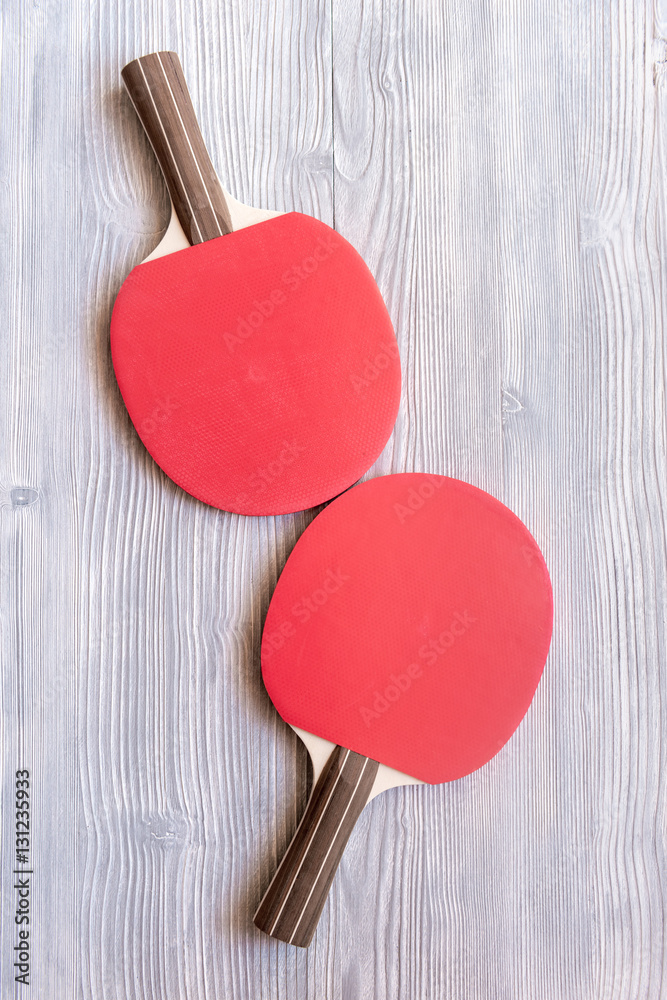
(252, 349)
(404, 642)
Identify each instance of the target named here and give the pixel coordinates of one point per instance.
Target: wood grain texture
(502, 170)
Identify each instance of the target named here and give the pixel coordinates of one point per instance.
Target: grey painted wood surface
(502, 169)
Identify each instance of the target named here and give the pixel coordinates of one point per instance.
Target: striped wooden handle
(158, 90)
(293, 902)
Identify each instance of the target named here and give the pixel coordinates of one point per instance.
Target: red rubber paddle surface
(411, 623)
(260, 369)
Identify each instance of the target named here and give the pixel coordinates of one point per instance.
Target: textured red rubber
(260, 369)
(411, 624)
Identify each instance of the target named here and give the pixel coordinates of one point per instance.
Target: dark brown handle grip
(293, 902)
(158, 90)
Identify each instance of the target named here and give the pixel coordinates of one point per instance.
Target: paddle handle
(293, 902)
(158, 90)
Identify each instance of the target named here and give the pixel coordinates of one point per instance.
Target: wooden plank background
(501, 167)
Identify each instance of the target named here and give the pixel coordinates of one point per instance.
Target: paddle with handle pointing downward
(404, 642)
(252, 349)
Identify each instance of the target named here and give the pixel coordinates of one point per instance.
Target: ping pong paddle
(252, 349)
(404, 642)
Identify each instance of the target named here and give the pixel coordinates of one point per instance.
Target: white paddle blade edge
(175, 239)
(320, 751)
